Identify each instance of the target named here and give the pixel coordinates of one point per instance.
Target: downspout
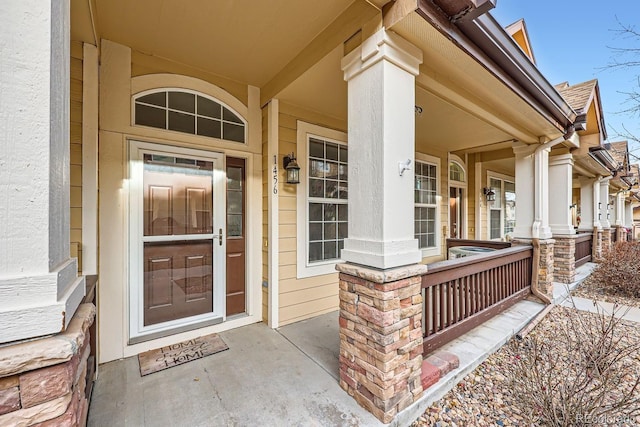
(534, 272)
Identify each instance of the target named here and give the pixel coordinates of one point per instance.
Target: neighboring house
(167, 174)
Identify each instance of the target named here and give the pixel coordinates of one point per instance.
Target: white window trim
(437, 250)
(503, 178)
(305, 130)
(240, 116)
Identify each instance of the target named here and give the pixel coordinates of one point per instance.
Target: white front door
(177, 220)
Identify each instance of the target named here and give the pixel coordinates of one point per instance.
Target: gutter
(487, 34)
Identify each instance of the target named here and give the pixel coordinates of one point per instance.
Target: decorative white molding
(273, 278)
(560, 194)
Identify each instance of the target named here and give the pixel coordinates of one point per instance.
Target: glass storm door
(180, 243)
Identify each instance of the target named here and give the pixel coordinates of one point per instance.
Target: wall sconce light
(293, 170)
(489, 194)
(575, 205)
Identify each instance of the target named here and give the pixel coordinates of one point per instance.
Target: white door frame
(137, 331)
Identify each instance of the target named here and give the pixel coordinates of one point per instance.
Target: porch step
(437, 365)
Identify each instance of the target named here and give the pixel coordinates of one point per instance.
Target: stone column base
(606, 240)
(44, 381)
(381, 337)
(596, 248)
(545, 267)
(564, 259)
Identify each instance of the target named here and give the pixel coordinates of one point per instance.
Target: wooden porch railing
(584, 248)
(614, 235)
(462, 293)
(452, 243)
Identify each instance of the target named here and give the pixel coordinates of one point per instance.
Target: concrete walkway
(561, 296)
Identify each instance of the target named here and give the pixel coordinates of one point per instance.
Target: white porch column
(39, 287)
(541, 227)
(525, 190)
(381, 83)
(628, 214)
(619, 211)
(588, 215)
(560, 197)
(604, 203)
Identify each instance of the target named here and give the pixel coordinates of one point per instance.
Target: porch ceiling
(245, 40)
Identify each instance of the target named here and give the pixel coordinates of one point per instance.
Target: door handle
(220, 237)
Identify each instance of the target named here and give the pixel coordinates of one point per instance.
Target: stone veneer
(43, 382)
(606, 240)
(564, 259)
(546, 264)
(381, 337)
(596, 248)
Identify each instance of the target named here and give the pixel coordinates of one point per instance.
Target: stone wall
(43, 382)
(564, 262)
(381, 337)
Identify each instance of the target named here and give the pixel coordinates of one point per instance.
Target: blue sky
(571, 39)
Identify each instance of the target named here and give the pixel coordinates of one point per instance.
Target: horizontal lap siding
(299, 298)
(75, 147)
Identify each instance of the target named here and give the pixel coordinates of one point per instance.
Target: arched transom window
(188, 112)
(456, 172)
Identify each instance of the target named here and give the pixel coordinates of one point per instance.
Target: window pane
(343, 230)
(342, 213)
(332, 151)
(182, 101)
(230, 116)
(316, 188)
(330, 250)
(315, 251)
(329, 212)
(316, 148)
(158, 98)
(182, 122)
(316, 168)
(344, 190)
(209, 108)
(496, 186)
(233, 132)
(234, 178)
(315, 211)
(344, 154)
(151, 116)
(315, 231)
(330, 231)
(331, 189)
(234, 202)
(234, 225)
(207, 127)
(343, 172)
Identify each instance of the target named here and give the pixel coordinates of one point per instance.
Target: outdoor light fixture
(489, 194)
(292, 168)
(602, 156)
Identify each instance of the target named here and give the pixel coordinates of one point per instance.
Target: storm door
(179, 272)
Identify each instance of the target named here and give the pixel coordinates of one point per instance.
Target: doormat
(176, 354)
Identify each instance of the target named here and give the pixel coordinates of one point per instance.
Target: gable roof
(579, 96)
(518, 32)
(619, 151)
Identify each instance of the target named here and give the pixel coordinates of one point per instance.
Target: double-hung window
(426, 206)
(322, 206)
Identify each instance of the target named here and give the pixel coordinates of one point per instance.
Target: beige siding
(76, 151)
(299, 298)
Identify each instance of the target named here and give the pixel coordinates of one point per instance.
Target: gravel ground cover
(598, 292)
(486, 396)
